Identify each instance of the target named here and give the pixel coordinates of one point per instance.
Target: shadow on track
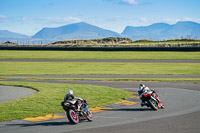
(131, 109)
(42, 124)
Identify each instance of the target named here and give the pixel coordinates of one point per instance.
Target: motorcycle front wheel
(153, 104)
(90, 116)
(72, 116)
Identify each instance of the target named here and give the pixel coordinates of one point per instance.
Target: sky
(30, 16)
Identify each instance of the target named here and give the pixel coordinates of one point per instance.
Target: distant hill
(5, 34)
(163, 31)
(75, 31)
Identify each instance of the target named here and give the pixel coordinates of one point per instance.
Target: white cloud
(175, 20)
(3, 17)
(131, 2)
(188, 19)
(123, 2)
(198, 20)
(114, 19)
(65, 19)
(25, 18)
(143, 20)
(72, 19)
(171, 20)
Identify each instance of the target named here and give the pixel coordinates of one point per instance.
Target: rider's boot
(142, 104)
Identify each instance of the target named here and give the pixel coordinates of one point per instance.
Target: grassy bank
(49, 96)
(79, 68)
(11, 54)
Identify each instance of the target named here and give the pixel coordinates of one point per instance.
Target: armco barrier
(101, 48)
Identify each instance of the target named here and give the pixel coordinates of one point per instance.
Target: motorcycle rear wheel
(72, 116)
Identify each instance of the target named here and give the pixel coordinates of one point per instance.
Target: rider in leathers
(81, 106)
(143, 90)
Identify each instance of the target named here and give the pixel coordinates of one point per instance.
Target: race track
(181, 107)
(181, 113)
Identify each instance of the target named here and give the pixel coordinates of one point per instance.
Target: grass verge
(50, 95)
(104, 79)
(17, 54)
(80, 68)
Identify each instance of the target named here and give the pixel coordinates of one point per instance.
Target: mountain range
(163, 31)
(82, 30)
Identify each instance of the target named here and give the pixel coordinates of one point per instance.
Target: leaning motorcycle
(73, 114)
(152, 100)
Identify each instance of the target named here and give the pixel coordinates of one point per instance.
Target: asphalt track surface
(181, 113)
(8, 93)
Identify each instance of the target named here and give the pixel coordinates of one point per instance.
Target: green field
(80, 68)
(47, 100)
(50, 95)
(96, 55)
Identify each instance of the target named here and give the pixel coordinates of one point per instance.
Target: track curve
(8, 93)
(125, 119)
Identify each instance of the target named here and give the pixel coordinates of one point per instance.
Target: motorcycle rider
(144, 90)
(69, 95)
(82, 105)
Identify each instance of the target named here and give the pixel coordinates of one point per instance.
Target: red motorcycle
(152, 100)
(73, 114)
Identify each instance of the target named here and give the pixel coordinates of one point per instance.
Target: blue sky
(30, 16)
